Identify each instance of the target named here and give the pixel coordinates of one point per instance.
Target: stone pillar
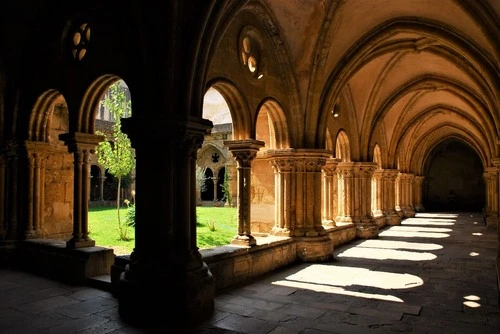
(329, 210)
(418, 182)
(406, 194)
(215, 180)
(244, 151)
(378, 197)
(355, 193)
(37, 157)
(166, 267)
(491, 179)
(389, 207)
(82, 145)
(298, 192)
(398, 194)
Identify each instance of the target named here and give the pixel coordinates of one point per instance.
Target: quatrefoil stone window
(80, 41)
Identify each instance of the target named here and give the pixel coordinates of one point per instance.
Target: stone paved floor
(433, 274)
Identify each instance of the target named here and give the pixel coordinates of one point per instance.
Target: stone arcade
(346, 116)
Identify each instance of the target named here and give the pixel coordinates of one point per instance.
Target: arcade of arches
(345, 117)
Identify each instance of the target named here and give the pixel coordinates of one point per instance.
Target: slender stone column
(406, 194)
(82, 145)
(418, 181)
(378, 197)
(391, 215)
(244, 151)
(329, 210)
(491, 178)
(214, 181)
(398, 194)
(356, 180)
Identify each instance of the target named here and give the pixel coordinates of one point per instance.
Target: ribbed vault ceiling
(408, 74)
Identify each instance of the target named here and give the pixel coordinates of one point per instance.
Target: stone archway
(453, 178)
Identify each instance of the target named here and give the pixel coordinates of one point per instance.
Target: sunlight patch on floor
(378, 243)
(436, 215)
(409, 234)
(338, 279)
(337, 290)
(433, 222)
(387, 254)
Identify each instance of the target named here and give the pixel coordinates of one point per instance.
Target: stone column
(329, 210)
(37, 156)
(214, 181)
(244, 151)
(355, 193)
(398, 194)
(389, 207)
(82, 145)
(298, 192)
(165, 265)
(406, 194)
(491, 179)
(418, 182)
(378, 197)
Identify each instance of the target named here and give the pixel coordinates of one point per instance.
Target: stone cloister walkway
(434, 273)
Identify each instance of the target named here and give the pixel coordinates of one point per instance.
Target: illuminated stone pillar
(330, 192)
(389, 207)
(82, 145)
(418, 182)
(355, 195)
(378, 197)
(406, 194)
(298, 198)
(244, 151)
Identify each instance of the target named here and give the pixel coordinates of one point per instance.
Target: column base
(328, 222)
(244, 240)
(393, 219)
(315, 249)
(408, 212)
(492, 219)
(74, 243)
(281, 232)
(187, 295)
(366, 230)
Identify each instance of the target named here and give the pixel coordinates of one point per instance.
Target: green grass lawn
(103, 227)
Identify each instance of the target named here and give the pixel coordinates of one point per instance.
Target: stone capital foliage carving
(406, 177)
(299, 160)
(244, 151)
(390, 174)
(244, 158)
(356, 169)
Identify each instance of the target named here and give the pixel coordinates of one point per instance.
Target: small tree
(117, 155)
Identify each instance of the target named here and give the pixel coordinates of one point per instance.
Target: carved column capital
(244, 151)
